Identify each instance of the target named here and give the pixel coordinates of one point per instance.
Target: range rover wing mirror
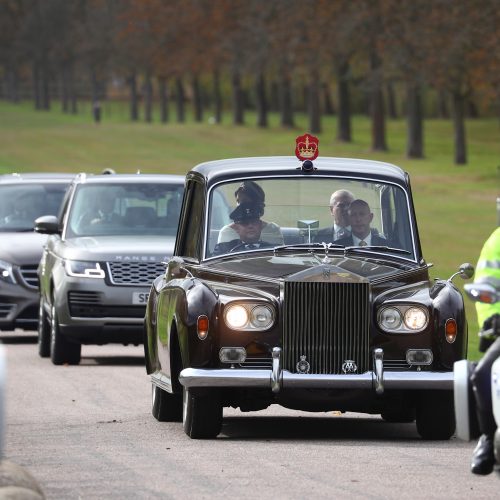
(47, 224)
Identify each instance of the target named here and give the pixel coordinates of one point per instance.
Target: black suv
(109, 243)
(23, 198)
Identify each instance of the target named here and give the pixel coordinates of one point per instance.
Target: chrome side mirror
(465, 271)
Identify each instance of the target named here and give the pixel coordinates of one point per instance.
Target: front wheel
(436, 415)
(165, 407)
(61, 349)
(43, 331)
(201, 414)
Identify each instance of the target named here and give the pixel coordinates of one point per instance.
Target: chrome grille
(29, 275)
(134, 273)
(328, 323)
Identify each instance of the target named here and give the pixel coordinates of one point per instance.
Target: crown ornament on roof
(306, 147)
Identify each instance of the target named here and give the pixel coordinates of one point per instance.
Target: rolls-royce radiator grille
(326, 325)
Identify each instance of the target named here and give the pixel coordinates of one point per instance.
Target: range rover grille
(134, 273)
(29, 275)
(328, 323)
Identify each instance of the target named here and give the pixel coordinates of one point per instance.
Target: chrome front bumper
(277, 379)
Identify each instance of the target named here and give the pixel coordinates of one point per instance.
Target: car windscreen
(21, 204)
(125, 209)
(274, 212)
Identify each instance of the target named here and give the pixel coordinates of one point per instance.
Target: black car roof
(216, 171)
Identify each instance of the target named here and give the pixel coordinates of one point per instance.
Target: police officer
(487, 271)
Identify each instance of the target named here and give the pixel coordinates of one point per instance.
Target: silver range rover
(109, 243)
(23, 198)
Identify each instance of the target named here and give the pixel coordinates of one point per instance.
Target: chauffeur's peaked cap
(246, 211)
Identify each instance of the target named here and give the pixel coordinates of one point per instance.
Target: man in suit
(248, 227)
(339, 206)
(360, 218)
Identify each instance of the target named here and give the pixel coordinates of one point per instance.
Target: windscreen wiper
(378, 248)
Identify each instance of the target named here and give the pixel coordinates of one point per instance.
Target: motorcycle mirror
(465, 271)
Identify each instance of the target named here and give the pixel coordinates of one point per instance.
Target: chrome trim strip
(378, 367)
(203, 377)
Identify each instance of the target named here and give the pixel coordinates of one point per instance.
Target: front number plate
(140, 298)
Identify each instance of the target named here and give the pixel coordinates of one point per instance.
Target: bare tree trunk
(134, 97)
(458, 100)
(286, 101)
(443, 104)
(12, 84)
(414, 148)
(327, 100)
(45, 81)
(36, 85)
(344, 103)
(163, 91)
(197, 100)
(65, 88)
(148, 98)
(238, 113)
(377, 106)
(217, 98)
(261, 101)
(73, 95)
(274, 105)
(313, 107)
(391, 102)
(179, 100)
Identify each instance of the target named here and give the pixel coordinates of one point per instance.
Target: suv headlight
(403, 318)
(7, 272)
(249, 316)
(81, 269)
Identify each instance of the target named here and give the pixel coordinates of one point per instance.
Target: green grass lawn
(455, 204)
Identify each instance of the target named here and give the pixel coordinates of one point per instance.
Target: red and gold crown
(306, 147)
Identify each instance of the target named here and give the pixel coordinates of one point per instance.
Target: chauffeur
(248, 226)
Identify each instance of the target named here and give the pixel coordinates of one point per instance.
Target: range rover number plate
(140, 298)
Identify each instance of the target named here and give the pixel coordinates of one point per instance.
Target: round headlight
(261, 317)
(236, 316)
(415, 318)
(390, 318)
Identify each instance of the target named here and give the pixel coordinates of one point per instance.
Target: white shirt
(367, 240)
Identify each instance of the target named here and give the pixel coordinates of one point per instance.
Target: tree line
(326, 56)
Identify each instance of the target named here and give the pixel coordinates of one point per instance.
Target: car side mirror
(47, 224)
(465, 271)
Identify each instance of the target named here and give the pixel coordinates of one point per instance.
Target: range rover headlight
(7, 272)
(249, 316)
(415, 318)
(403, 318)
(82, 269)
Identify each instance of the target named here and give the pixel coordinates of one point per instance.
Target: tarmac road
(87, 432)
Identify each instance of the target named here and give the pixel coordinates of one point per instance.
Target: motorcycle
(467, 427)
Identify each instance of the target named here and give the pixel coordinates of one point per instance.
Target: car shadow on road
(112, 361)
(336, 428)
(21, 338)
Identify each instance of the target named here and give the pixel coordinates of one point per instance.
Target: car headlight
(7, 272)
(249, 317)
(403, 318)
(81, 269)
